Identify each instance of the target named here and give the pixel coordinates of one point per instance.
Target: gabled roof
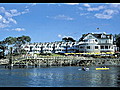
(107, 36)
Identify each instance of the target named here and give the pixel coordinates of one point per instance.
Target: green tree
(10, 40)
(2, 48)
(68, 39)
(16, 42)
(21, 40)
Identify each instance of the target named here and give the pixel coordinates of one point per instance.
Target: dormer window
(90, 37)
(103, 36)
(96, 40)
(85, 40)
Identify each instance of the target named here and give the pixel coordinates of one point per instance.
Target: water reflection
(60, 77)
(106, 78)
(72, 77)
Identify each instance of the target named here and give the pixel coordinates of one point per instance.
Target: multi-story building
(91, 42)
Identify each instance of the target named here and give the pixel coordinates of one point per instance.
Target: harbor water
(69, 76)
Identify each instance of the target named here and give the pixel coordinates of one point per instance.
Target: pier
(48, 61)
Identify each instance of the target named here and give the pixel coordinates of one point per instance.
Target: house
(88, 43)
(97, 43)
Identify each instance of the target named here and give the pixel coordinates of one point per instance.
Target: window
(96, 40)
(88, 47)
(90, 37)
(106, 47)
(103, 36)
(81, 47)
(85, 40)
(106, 41)
(77, 46)
(96, 47)
(102, 47)
(59, 45)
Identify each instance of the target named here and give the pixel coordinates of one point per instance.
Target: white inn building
(88, 43)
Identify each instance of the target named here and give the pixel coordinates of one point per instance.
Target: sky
(50, 22)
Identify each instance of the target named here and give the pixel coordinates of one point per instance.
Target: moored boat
(102, 68)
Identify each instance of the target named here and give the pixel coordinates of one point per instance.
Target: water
(60, 77)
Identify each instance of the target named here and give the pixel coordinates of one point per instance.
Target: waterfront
(69, 76)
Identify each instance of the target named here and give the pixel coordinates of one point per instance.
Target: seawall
(61, 61)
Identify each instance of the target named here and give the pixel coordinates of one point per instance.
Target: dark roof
(97, 36)
(106, 36)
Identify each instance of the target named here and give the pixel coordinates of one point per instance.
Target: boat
(102, 68)
(85, 69)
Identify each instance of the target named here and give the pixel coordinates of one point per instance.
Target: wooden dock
(45, 61)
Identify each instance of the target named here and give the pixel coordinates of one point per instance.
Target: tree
(21, 40)
(3, 47)
(16, 42)
(53, 48)
(66, 48)
(10, 40)
(117, 40)
(68, 39)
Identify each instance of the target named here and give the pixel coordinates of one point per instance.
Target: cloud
(3, 25)
(2, 10)
(86, 5)
(33, 4)
(80, 8)
(14, 12)
(90, 8)
(72, 3)
(110, 11)
(115, 5)
(59, 35)
(95, 9)
(63, 3)
(103, 16)
(19, 29)
(7, 16)
(106, 14)
(25, 11)
(61, 17)
(100, 11)
(83, 14)
(12, 20)
(30, 5)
